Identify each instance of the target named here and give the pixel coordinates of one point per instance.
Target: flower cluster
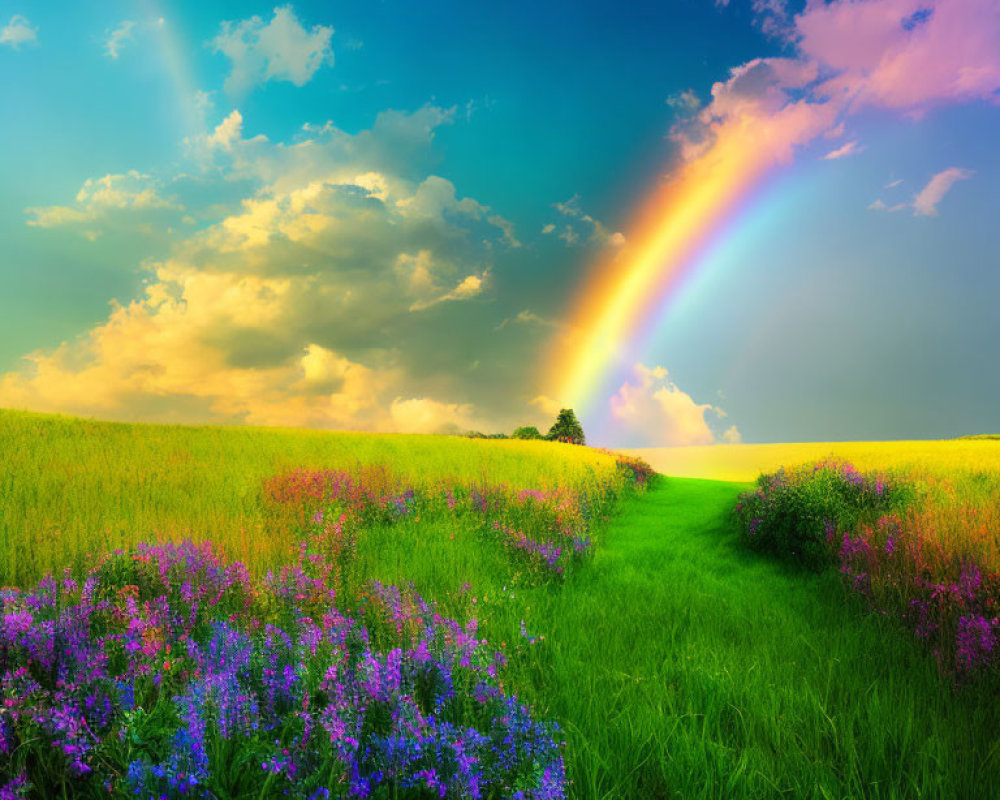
(916, 549)
(902, 565)
(169, 673)
(546, 529)
(791, 512)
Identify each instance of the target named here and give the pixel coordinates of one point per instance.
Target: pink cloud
(903, 55)
(926, 201)
(848, 149)
(654, 411)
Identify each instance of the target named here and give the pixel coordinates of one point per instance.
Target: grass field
(744, 462)
(677, 663)
(74, 488)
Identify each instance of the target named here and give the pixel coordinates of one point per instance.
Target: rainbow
(620, 304)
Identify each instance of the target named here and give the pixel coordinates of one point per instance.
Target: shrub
(797, 513)
(526, 432)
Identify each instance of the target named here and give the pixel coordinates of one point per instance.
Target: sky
(692, 222)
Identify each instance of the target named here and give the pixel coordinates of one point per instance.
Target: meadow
(73, 488)
(626, 642)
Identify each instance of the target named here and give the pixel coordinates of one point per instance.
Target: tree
(526, 432)
(566, 428)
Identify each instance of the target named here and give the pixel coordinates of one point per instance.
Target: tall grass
(71, 489)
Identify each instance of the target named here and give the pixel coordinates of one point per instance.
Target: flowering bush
(917, 550)
(796, 513)
(168, 673)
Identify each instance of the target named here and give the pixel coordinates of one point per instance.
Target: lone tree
(566, 428)
(526, 432)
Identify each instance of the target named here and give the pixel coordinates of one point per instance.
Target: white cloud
(926, 201)
(654, 411)
(227, 132)
(848, 149)
(17, 32)
(280, 50)
(118, 37)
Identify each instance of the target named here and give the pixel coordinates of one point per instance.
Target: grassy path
(683, 666)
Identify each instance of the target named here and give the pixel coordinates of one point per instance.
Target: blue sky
(334, 214)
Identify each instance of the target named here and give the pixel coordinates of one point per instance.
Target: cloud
(419, 273)
(226, 133)
(893, 184)
(879, 205)
(529, 318)
(280, 50)
(303, 304)
(101, 199)
(653, 411)
(581, 227)
(118, 37)
(426, 415)
(684, 102)
(17, 32)
(732, 435)
(874, 50)
(848, 55)
(926, 201)
(773, 18)
(848, 149)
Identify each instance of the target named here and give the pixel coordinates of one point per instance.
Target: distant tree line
(566, 428)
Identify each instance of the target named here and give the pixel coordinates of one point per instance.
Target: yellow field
(744, 462)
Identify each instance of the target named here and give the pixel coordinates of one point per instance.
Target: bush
(796, 514)
(526, 432)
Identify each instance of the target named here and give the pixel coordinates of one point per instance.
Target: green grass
(681, 665)
(677, 663)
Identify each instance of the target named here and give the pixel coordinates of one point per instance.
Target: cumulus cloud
(651, 410)
(102, 199)
(305, 304)
(848, 149)
(927, 199)
(279, 50)
(17, 32)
